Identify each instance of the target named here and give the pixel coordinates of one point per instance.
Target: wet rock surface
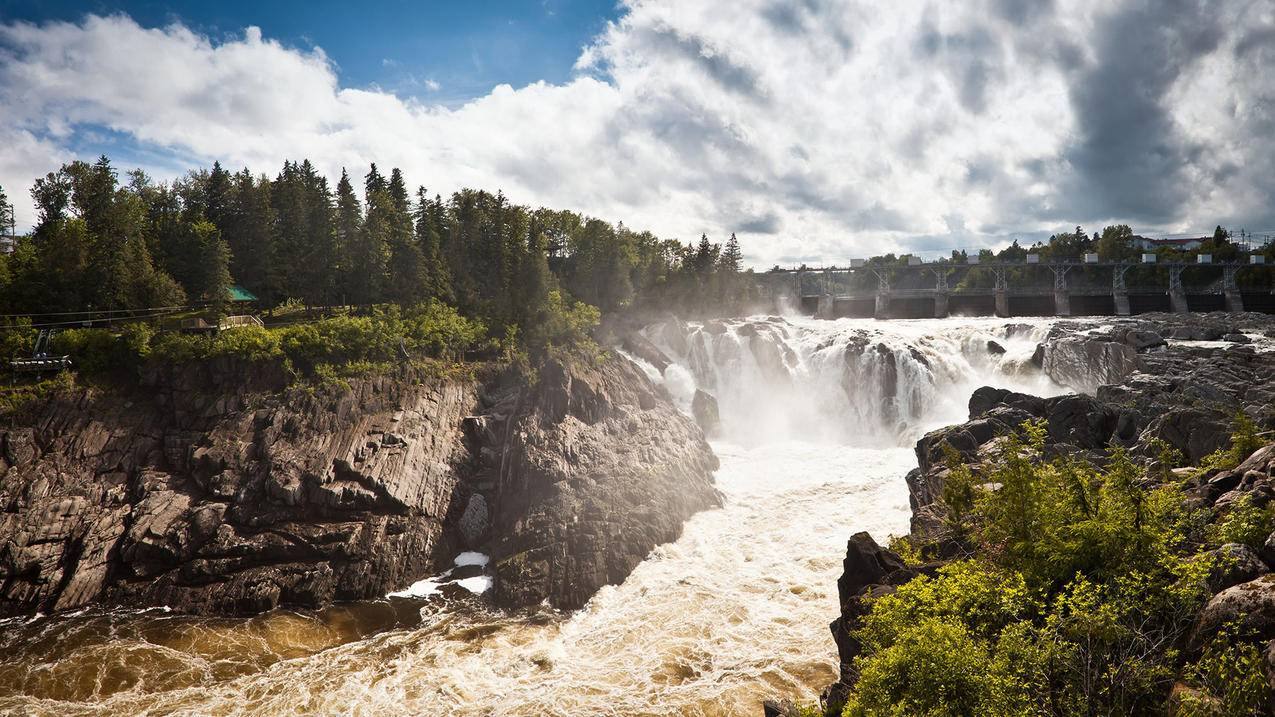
(597, 471)
(213, 488)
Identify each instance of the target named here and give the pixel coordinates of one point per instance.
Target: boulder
(1143, 340)
(868, 572)
(704, 409)
(475, 522)
(994, 348)
(1081, 421)
(591, 482)
(1249, 607)
(1237, 338)
(1233, 564)
(641, 347)
(1084, 363)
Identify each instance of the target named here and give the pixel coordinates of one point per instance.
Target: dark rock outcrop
(704, 409)
(596, 472)
(1233, 564)
(211, 498)
(869, 571)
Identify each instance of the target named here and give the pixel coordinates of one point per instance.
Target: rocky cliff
(598, 468)
(213, 488)
(1166, 379)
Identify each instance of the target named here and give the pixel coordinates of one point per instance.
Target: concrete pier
(1177, 296)
(1062, 299)
(882, 305)
(1120, 292)
(1002, 303)
(824, 308)
(1231, 289)
(940, 305)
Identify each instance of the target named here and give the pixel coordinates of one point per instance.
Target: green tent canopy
(238, 293)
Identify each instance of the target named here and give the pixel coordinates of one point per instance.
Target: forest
(107, 243)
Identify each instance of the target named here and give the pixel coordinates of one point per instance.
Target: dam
(1061, 288)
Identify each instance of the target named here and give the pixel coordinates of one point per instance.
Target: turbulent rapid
(817, 423)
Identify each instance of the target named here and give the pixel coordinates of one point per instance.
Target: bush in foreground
(1084, 587)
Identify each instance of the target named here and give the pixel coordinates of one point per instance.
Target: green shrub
(564, 322)
(17, 338)
(1231, 681)
(1083, 586)
(1244, 523)
(1245, 438)
(92, 351)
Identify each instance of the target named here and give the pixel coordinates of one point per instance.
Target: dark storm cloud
(970, 60)
(1129, 159)
(764, 224)
(1023, 12)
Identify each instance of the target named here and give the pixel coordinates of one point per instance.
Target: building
(1185, 244)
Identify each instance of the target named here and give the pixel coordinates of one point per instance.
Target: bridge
(825, 293)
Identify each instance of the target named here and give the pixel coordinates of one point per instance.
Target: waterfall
(849, 381)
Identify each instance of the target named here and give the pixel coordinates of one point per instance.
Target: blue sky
(466, 47)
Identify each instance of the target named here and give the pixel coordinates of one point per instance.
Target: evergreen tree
(732, 259)
(250, 236)
(429, 239)
(371, 252)
(349, 227)
(8, 220)
(408, 278)
(218, 188)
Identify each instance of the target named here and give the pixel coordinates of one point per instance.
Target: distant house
(1188, 244)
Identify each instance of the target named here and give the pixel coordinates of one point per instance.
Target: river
(735, 611)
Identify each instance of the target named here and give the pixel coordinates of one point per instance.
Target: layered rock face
(210, 495)
(1151, 381)
(214, 489)
(598, 469)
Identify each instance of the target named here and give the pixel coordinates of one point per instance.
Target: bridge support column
(1119, 292)
(940, 294)
(1231, 289)
(1177, 295)
(882, 309)
(1002, 294)
(824, 307)
(1062, 299)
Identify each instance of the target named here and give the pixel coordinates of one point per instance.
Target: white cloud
(818, 130)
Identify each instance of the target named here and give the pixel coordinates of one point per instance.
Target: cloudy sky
(818, 130)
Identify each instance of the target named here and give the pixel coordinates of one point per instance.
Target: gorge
(601, 600)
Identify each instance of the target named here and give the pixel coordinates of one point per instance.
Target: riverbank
(1164, 464)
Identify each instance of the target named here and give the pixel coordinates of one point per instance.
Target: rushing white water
(814, 448)
(852, 381)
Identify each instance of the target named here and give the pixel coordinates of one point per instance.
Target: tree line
(105, 243)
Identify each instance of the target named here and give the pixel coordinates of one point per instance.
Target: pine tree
(429, 239)
(732, 259)
(371, 250)
(408, 276)
(349, 227)
(218, 189)
(7, 218)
